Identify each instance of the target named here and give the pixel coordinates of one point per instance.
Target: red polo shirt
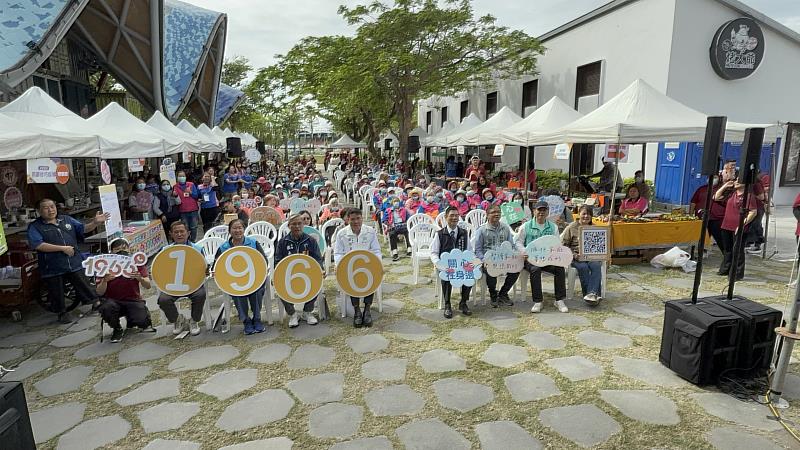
(125, 289)
(731, 220)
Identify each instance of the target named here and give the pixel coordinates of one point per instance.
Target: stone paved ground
(499, 379)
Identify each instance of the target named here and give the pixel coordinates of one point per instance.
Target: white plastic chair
(475, 219)
(263, 229)
(348, 189)
(210, 245)
(328, 256)
(417, 219)
(421, 237)
(220, 231)
(283, 230)
(441, 220)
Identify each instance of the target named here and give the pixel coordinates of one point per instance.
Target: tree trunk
(404, 119)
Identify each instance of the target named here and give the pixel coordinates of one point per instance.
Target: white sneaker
(793, 284)
(294, 320)
(561, 306)
(194, 327)
(591, 298)
(309, 318)
(179, 325)
(537, 307)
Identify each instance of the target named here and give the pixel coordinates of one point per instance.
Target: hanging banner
(499, 149)
(562, 151)
(461, 149)
(136, 165)
(612, 150)
(105, 172)
(47, 170)
(110, 204)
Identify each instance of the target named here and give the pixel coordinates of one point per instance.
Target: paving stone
(28, 368)
(440, 360)
(561, 320)
(755, 292)
(627, 326)
(501, 320)
(392, 306)
(10, 354)
(18, 340)
(542, 340)
(97, 349)
(202, 358)
(50, 422)
(423, 296)
(409, 280)
(311, 356)
(434, 314)
(225, 385)
(605, 341)
(10, 328)
(95, 433)
(64, 381)
(505, 355)
(410, 330)
(276, 443)
(74, 339)
(386, 369)
(307, 333)
(644, 406)
(586, 425)
(40, 318)
(679, 283)
(530, 386)
(505, 435)
(401, 269)
(166, 444)
(272, 405)
(389, 288)
(638, 310)
(146, 351)
(778, 278)
(397, 400)
(728, 408)
(575, 368)
(648, 372)
(122, 379)
(371, 443)
(270, 354)
(736, 439)
(152, 391)
(431, 434)
(368, 343)
(791, 387)
(167, 416)
(335, 420)
(322, 388)
(471, 335)
(461, 395)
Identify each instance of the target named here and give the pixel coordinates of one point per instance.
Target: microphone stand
(701, 245)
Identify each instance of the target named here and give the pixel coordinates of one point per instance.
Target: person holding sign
(253, 301)
(489, 237)
(294, 243)
(189, 206)
(449, 238)
(534, 229)
(589, 272)
(122, 296)
(357, 236)
(179, 233)
(55, 238)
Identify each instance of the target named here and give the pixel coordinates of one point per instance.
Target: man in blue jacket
(55, 238)
(297, 242)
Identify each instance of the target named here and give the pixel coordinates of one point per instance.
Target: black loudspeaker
(751, 154)
(261, 147)
(234, 145)
(15, 422)
(699, 341)
(757, 337)
(712, 145)
(413, 144)
(387, 144)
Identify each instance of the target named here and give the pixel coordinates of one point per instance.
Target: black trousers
(755, 230)
(167, 304)
(208, 215)
(55, 291)
(447, 290)
(728, 241)
(715, 229)
(491, 283)
(367, 301)
(135, 312)
(394, 235)
(559, 281)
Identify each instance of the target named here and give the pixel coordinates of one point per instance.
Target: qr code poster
(595, 244)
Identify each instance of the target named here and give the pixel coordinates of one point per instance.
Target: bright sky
(259, 29)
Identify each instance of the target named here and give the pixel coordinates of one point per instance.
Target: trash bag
(674, 257)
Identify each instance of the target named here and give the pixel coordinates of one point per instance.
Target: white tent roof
(447, 127)
(203, 137)
(347, 142)
(205, 131)
(21, 140)
(486, 132)
(637, 114)
(419, 132)
(552, 115)
(136, 139)
(444, 139)
(161, 123)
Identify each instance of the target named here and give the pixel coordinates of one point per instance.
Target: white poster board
(562, 151)
(461, 149)
(136, 164)
(499, 149)
(167, 172)
(110, 204)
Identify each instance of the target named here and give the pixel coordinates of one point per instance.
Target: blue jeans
(253, 301)
(590, 273)
(190, 218)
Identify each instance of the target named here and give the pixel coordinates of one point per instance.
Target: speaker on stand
(234, 146)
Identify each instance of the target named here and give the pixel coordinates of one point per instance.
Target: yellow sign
(240, 271)
(359, 273)
(298, 278)
(179, 270)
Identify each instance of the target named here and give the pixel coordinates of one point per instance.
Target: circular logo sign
(62, 173)
(359, 273)
(298, 278)
(240, 271)
(8, 175)
(105, 172)
(670, 156)
(179, 270)
(12, 198)
(737, 49)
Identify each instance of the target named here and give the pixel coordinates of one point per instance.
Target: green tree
(235, 72)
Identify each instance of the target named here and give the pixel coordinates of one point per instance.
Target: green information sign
(512, 212)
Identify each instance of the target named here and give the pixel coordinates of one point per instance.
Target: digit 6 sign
(298, 278)
(179, 270)
(359, 273)
(240, 271)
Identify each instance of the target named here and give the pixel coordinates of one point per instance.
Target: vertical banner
(110, 204)
(3, 242)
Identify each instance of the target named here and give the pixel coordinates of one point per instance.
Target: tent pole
(525, 176)
(613, 191)
(774, 172)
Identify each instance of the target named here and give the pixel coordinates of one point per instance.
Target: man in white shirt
(448, 238)
(357, 236)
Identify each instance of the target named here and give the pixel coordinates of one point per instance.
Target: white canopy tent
(136, 138)
(551, 116)
(418, 132)
(21, 140)
(347, 142)
(486, 132)
(161, 123)
(444, 139)
(203, 130)
(202, 137)
(447, 127)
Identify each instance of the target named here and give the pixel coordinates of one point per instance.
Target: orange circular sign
(62, 173)
(179, 270)
(359, 273)
(240, 271)
(298, 278)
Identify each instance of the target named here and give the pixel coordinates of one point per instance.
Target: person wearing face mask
(460, 203)
(121, 296)
(429, 206)
(474, 199)
(151, 185)
(488, 199)
(641, 185)
(167, 205)
(589, 272)
(413, 203)
(730, 225)
(141, 201)
(395, 217)
(209, 204)
(322, 195)
(189, 206)
(231, 182)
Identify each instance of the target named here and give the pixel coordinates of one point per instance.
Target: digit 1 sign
(359, 273)
(179, 270)
(240, 271)
(298, 279)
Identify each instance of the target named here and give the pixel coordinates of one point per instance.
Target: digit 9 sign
(240, 271)
(179, 270)
(298, 278)
(359, 273)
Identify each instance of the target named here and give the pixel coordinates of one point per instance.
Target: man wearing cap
(488, 237)
(534, 229)
(474, 171)
(298, 242)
